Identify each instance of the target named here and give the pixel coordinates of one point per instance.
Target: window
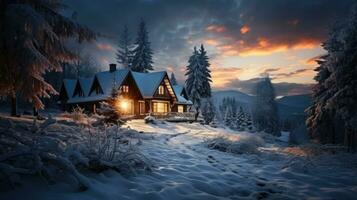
(125, 88)
(160, 107)
(180, 108)
(161, 90)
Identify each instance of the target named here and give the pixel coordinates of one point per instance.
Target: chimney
(112, 67)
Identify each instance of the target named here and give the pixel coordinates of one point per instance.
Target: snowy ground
(184, 168)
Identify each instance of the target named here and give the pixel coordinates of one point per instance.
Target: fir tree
(333, 115)
(110, 109)
(124, 54)
(207, 79)
(173, 79)
(142, 53)
(194, 81)
(208, 110)
(265, 112)
(31, 43)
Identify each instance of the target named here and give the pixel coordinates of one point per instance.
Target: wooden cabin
(140, 93)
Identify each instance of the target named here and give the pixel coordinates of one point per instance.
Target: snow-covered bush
(54, 150)
(240, 144)
(150, 120)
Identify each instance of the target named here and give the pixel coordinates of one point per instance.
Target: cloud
(216, 28)
(245, 29)
(312, 61)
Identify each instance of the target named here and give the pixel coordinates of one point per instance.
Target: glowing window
(125, 88)
(180, 108)
(161, 90)
(160, 107)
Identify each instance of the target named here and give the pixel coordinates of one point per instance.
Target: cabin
(141, 94)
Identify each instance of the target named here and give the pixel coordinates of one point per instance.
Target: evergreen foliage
(124, 54)
(265, 110)
(333, 114)
(173, 79)
(31, 44)
(207, 79)
(142, 53)
(208, 110)
(194, 81)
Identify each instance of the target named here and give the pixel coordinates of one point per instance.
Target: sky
(245, 39)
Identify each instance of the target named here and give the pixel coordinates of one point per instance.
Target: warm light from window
(124, 105)
(161, 90)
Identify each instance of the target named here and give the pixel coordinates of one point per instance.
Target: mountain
(303, 100)
(289, 106)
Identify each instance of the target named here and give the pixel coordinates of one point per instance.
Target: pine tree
(110, 109)
(31, 43)
(333, 115)
(228, 117)
(194, 81)
(124, 53)
(173, 79)
(207, 79)
(265, 112)
(142, 53)
(208, 110)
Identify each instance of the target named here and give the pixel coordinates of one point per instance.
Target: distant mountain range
(289, 106)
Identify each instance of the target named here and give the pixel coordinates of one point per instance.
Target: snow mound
(237, 144)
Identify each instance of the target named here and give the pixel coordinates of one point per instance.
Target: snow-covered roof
(148, 82)
(108, 79)
(77, 99)
(69, 85)
(86, 84)
(180, 98)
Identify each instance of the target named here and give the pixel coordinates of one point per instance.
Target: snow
(107, 79)
(148, 82)
(186, 168)
(69, 85)
(180, 99)
(86, 84)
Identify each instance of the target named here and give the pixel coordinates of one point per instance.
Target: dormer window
(161, 90)
(125, 88)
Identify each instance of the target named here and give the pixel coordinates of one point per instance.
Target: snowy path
(186, 169)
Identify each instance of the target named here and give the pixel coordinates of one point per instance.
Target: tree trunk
(197, 114)
(35, 112)
(13, 106)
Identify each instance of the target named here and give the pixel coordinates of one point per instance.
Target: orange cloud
(104, 47)
(212, 42)
(216, 28)
(312, 61)
(222, 76)
(245, 29)
(263, 46)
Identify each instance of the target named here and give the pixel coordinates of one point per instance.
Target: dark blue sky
(244, 38)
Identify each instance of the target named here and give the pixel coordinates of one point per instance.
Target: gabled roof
(148, 82)
(178, 89)
(69, 85)
(86, 84)
(108, 79)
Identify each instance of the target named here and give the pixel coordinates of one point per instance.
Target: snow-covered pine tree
(207, 79)
(228, 117)
(31, 43)
(142, 53)
(110, 110)
(194, 79)
(173, 79)
(124, 54)
(208, 110)
(333, 115)
(265, 110)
